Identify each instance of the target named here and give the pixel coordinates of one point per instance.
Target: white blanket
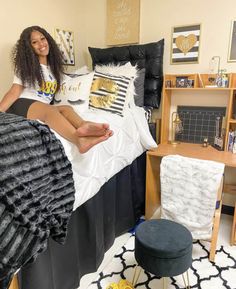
(189, 192)
(92, 169)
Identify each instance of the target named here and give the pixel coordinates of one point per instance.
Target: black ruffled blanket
(36, 192)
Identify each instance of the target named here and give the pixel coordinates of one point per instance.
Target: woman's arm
(11, 96)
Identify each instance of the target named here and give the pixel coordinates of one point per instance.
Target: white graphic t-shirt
(45, 93)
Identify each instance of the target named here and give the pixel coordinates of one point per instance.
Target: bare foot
(89, 128)
(86, 143)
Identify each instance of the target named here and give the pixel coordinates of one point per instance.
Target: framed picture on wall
(65, 41)
(123, 18)
(232, 43)
(185, 44)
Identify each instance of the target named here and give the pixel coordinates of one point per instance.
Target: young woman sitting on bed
(38, 75)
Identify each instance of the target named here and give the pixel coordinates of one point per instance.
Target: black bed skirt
(92, 230)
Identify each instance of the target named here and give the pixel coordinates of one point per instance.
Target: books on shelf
(232, 141)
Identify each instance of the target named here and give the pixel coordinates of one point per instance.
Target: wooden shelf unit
(201, 83)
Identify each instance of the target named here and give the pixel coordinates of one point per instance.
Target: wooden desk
(233, 231)
(184, 149)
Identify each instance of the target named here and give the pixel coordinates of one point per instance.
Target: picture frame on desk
(232, 43)
(181, 81)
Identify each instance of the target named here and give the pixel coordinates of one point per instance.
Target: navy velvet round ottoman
(163, 247)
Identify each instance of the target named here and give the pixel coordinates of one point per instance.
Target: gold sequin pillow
(109, 93)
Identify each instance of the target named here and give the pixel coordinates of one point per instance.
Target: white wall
(157, 19)
(50, 14)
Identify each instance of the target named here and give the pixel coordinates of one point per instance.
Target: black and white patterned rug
(203, 274)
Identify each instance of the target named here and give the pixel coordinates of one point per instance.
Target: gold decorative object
(102, 101)
(122, 284)
(185, 43)
(64, 89)
(109, 92)
(176, 127)
(104, 83)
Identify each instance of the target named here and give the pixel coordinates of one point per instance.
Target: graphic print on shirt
(47, 90)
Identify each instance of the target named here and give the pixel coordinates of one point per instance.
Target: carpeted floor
(203, 274)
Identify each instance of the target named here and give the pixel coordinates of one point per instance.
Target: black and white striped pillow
(109, 93)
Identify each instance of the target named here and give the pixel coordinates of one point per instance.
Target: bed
(113, 198)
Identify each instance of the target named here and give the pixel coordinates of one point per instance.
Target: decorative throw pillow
(148, 56)
(109, 93)
(126, 70)
(75, 90)
(136, 88)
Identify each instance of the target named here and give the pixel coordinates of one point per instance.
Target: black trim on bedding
(92, 229)
(36, 192)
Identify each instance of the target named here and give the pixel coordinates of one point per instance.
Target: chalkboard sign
(199, 122)
(123, 21)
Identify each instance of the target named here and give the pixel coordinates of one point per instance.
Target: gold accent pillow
(109, 92)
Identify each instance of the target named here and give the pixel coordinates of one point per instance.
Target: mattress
(94, 168)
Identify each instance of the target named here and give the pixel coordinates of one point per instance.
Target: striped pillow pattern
(109, 93)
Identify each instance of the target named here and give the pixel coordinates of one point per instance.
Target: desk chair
(191, 194)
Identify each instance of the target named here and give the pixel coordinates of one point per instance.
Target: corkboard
(123, 21)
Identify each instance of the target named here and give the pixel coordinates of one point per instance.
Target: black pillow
(148, 56)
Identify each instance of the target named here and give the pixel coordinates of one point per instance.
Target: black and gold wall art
(185, 44)
(123, 21)
(65, 41)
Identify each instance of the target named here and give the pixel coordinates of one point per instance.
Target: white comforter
(92, 169)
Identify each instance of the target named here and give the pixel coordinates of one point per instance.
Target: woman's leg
(54, 119)
(84, 128)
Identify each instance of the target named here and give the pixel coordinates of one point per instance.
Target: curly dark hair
(26, 62)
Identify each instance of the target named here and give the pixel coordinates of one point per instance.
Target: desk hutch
(201, 84)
